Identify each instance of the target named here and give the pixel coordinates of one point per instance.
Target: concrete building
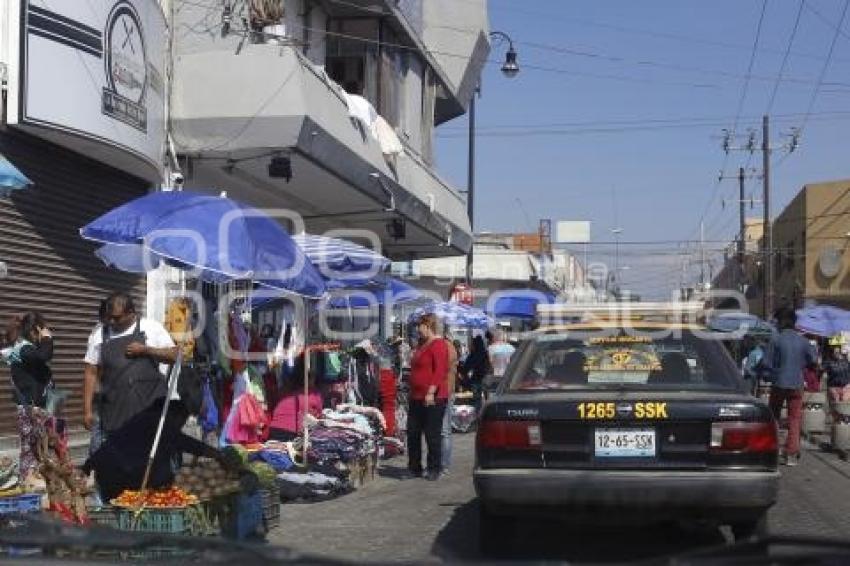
(501, 262)
(328, 109)
(811, 256)
(83, 116)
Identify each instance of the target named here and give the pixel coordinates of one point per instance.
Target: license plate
(624, 443)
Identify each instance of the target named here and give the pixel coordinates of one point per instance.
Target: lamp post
(510, 69)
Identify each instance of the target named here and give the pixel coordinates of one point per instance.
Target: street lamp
(510, 69)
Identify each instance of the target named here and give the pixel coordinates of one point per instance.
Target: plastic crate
(271, 508)
(26, 503)
(245, 518)
(105, 516)
(169, 521)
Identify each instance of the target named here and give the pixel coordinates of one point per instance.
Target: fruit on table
(207, 479)
(170, 497)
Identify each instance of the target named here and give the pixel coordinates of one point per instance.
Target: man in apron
(128, 356)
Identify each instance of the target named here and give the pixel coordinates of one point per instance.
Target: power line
(555, 131)
(785, 57)
(737, 113)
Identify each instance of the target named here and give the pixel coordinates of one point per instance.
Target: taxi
(636, 414)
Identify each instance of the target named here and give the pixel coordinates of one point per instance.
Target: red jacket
(430, 366)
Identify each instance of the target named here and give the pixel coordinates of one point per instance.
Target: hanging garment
(209, 413)
(387, 138)
(389, 390)
(249, 421)
(362, 110)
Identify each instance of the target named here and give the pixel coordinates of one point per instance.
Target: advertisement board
(572, 232)
(92, 70)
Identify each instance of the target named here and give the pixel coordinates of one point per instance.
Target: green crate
(271, 508)
(168, 521)
(105, 516)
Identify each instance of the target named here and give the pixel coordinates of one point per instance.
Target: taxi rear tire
(495, 533)
(754, 528)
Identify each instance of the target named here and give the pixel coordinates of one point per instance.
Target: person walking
(476, 368)
(788, 356)
(838, 378)
(446, 433)
(499, 353)
(751, 364)
(130, 355)
(428, 395)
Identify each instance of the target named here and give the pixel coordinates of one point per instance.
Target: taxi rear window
(618, 359)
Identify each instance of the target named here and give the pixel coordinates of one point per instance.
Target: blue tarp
(520, 303)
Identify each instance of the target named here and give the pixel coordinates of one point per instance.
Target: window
(352, 56)
(631, 360)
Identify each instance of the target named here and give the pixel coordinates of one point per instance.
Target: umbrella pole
(172, 387)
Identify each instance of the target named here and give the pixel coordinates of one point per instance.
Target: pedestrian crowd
(791, 364)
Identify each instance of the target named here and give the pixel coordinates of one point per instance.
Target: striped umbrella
(333, 256)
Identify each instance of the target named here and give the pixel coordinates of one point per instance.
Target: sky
(616, 117)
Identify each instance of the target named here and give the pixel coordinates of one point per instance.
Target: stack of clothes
(338, 440)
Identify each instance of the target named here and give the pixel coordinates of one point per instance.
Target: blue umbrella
(823, 320)
(454, 314)
(222, 238)
(391, 290)
(520, 303)
(127, 257)
(333, 256)
(11, 177)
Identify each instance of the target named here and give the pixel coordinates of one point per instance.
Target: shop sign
(91, 70)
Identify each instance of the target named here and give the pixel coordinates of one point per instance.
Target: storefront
(84, 120)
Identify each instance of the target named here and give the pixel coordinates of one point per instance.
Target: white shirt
(156, 336)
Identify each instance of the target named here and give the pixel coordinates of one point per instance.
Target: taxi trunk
(627, 430)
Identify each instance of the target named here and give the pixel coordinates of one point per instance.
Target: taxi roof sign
(674, 311)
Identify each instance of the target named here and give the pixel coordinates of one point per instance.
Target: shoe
(432, 476)
(408, 475)
(792, 460)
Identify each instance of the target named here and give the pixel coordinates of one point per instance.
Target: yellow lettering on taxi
(597, 410)
(651, 410)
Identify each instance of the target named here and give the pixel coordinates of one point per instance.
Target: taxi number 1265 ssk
(608, 410)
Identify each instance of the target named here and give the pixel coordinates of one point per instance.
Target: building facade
(811, 250)
(83, 117)
(328, 109)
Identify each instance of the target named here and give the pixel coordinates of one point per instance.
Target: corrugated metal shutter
(50, 268)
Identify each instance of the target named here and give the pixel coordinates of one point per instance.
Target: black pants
(428, 420)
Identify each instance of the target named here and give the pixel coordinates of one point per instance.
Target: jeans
(428, 420)
(446, 436)
(794, 398)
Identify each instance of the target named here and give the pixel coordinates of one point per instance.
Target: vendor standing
(131, 354)
(120, 463)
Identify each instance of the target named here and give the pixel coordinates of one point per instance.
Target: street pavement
(415, 520)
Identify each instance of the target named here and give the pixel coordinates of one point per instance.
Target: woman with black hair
(28, 351)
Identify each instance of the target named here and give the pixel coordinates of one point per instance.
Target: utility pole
(768, 229)
(743, 222)
(767, 240)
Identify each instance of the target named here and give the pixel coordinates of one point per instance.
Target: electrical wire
(785, 57)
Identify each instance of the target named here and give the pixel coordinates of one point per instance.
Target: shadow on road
(547, 539)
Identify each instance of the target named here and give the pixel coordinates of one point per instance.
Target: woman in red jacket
(429, 371)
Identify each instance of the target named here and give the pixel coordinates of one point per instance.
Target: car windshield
(632, 359)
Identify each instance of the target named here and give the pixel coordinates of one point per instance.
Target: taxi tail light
(509, 434)
(744, 437)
